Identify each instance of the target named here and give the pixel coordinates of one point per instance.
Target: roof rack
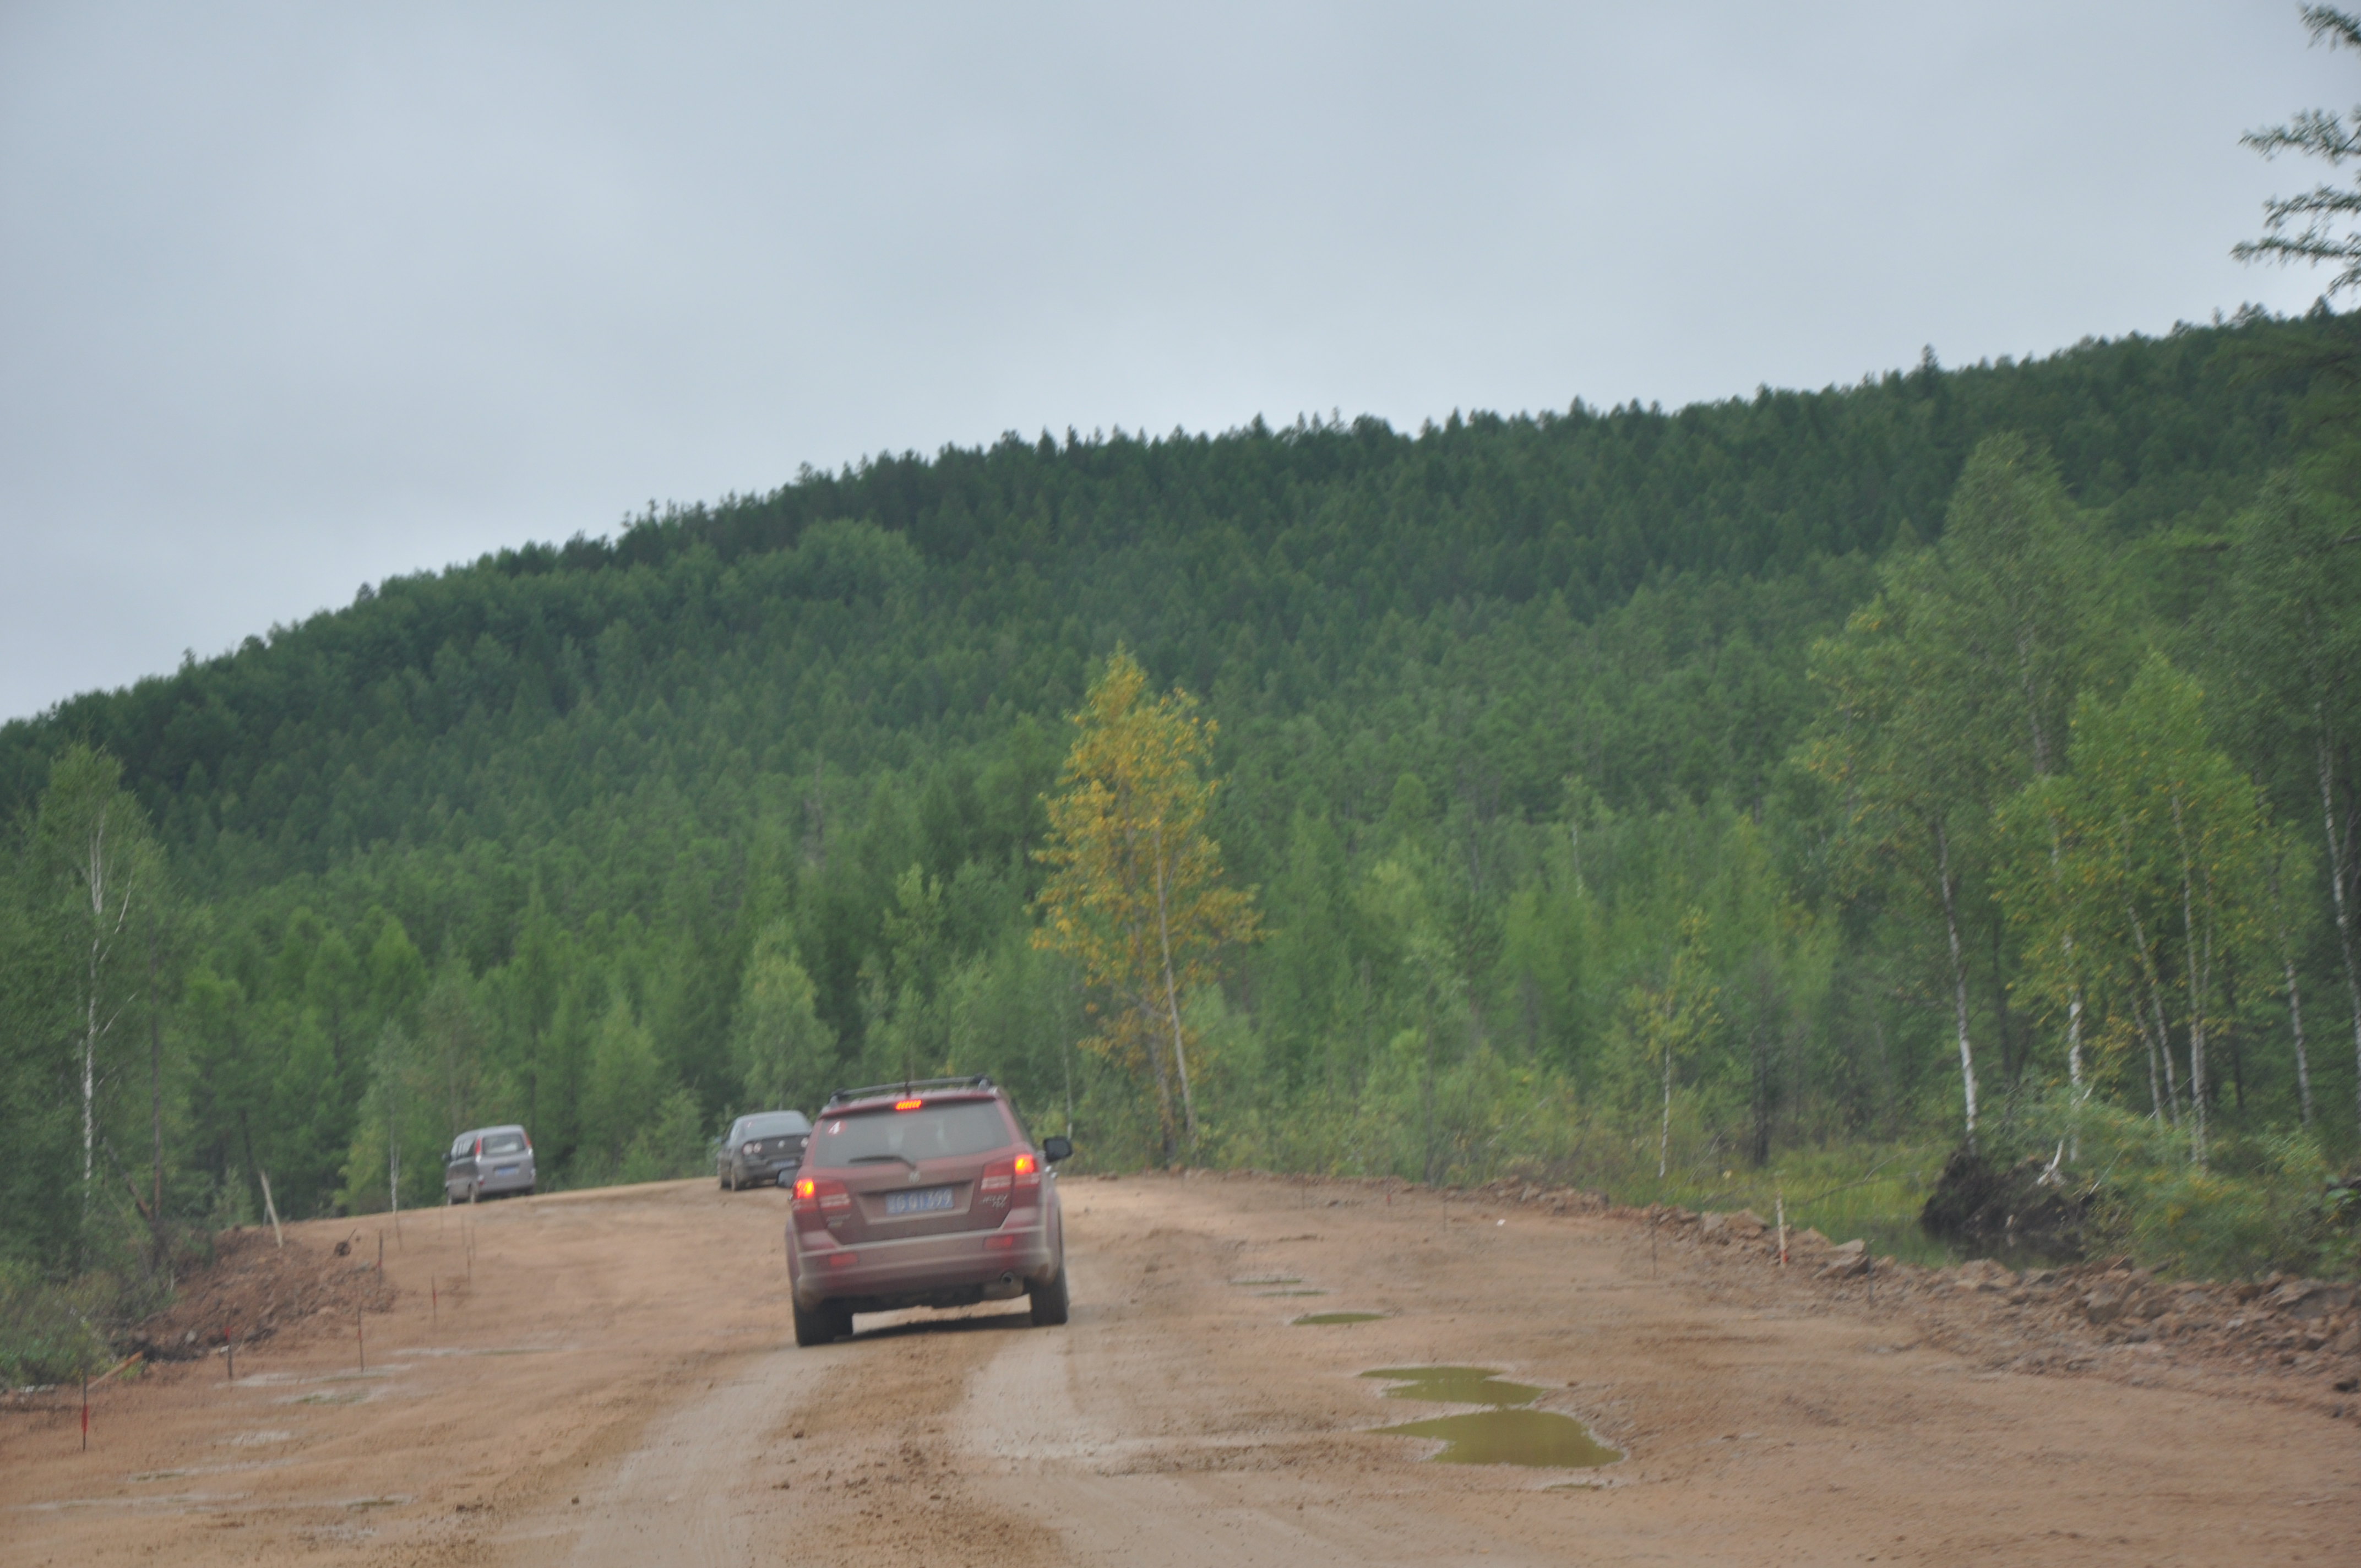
(909, 1085)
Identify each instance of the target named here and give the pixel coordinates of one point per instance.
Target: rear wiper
(865, 1159)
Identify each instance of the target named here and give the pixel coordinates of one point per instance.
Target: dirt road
(609, 1379)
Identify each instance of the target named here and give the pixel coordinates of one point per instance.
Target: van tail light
(1027, 1171)
(816, 1199)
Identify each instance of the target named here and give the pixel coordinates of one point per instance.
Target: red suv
(923, 1195)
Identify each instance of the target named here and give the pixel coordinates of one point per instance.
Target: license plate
(505, 1171)
(926, 1200)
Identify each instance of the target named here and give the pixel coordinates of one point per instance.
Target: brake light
(1023, 1173)
(907, 1105)
(816, 1199)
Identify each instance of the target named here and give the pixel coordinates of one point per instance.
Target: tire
(821, 1324)
(1049, 1302)
(450, 1198)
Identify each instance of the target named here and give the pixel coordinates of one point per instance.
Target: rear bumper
(941, 1270)
(762, 1172)
(490, 1185)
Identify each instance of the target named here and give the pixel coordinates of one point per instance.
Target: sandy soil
(607, 1378)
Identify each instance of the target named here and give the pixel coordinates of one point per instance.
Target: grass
(1843, 1190)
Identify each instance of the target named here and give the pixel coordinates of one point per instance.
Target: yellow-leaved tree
(1134, 891)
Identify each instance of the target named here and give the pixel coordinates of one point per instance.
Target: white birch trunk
(1959, 974)
(2197, 967)
(1172, 995)
(2338, 848)
(2161, 1041)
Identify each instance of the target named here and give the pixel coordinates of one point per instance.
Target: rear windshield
(505, 1143)
(955, 1127)
(772, 1126)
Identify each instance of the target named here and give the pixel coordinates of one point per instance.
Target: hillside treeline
(1619, 788)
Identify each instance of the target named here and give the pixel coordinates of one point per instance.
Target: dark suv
(923, 1195)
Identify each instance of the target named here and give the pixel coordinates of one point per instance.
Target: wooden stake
(85, 1412)
(1782, 1202)
(229, 1351)
(360, 1339)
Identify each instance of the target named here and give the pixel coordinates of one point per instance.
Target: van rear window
(505, 1143)
(931, 1131)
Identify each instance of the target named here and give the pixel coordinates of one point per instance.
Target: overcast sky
(294, 299)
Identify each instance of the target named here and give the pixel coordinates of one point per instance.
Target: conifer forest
(1813, 784)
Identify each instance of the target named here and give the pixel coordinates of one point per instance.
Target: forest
(1803, 785)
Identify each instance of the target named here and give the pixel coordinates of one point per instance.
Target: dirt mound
(254, 1290)
(2021, 1208)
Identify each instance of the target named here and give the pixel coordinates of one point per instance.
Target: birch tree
(1668, 1023)
(1135, 893)
(2161, 855)
(93, 847)
(1951, 692)
(2291, 639)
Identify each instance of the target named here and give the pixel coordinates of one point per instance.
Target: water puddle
(1454, 1385)
(1507, 1433)
(1290, 1292)
(1317, 1318)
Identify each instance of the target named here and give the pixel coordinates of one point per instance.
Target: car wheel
(451, 1197)
(1049, 1302)
(821, 1324)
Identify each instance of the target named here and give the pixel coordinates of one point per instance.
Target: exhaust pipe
(1007, 1279)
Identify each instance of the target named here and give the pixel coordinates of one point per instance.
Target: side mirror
(1055, 1149)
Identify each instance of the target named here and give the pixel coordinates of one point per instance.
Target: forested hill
(1268, 563)
(566, 833)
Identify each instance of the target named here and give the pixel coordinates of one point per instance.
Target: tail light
(1004, 1177)
(818, 1199)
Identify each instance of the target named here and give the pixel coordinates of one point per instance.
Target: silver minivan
(489, 1162)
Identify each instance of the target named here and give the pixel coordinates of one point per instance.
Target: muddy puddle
(1318, 1319)
(1507, 1433)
